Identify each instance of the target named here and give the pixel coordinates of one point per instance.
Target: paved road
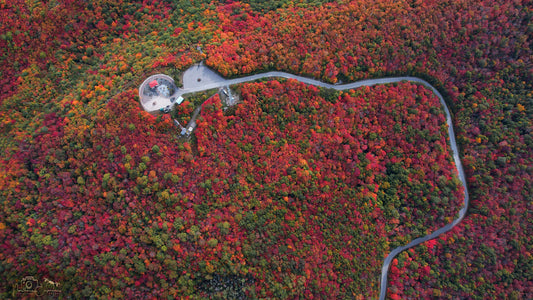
(200, 78)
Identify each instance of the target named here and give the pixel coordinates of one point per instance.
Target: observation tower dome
(158, 93)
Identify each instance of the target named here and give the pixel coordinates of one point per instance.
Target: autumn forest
(295, 192)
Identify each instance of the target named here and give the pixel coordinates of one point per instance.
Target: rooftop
(158, 93)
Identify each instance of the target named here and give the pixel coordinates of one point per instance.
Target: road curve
(200, 78)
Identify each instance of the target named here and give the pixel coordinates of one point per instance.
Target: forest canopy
(107, 200)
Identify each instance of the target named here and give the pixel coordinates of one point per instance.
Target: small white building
(158, 93)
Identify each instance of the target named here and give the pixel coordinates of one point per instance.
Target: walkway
(200, 78)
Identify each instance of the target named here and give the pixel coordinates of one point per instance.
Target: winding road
(200, 78)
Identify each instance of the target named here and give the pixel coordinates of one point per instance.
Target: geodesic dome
(158, 93)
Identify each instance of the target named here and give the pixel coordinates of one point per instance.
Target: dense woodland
(297, 191)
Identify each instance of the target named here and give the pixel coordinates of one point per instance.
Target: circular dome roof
(157, 92)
